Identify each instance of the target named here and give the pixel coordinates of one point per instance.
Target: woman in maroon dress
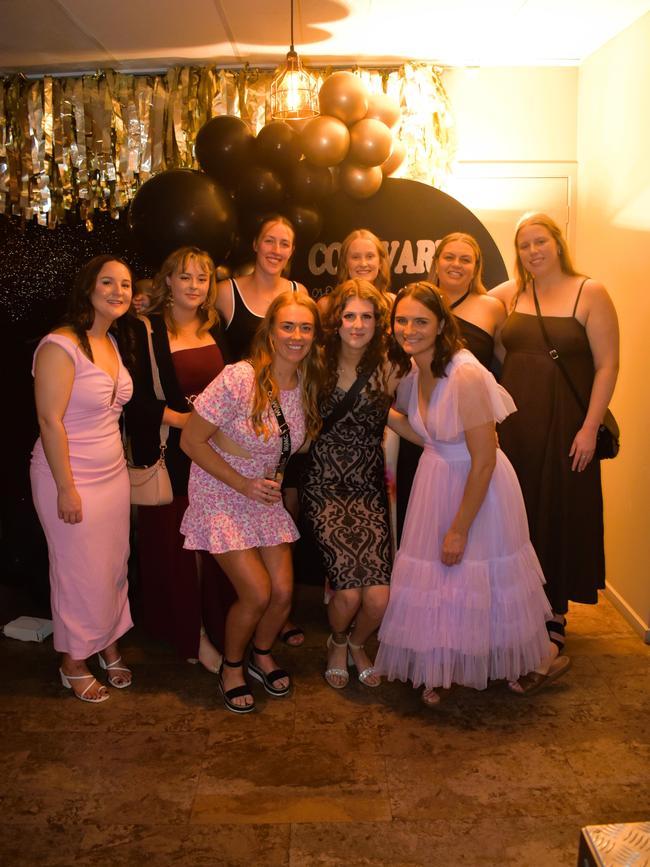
(182, 603)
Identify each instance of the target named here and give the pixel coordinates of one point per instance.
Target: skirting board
(628, 613)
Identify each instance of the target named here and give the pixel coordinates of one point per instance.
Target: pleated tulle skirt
(481, 619)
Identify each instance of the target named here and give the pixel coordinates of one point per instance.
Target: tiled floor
(162, 775)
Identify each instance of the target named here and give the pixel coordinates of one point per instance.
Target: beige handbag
(151, 486)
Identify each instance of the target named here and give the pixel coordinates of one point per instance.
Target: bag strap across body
(554, 353)
(346, 402)
(157, 385)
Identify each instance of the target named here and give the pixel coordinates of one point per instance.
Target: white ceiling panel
(38, 36)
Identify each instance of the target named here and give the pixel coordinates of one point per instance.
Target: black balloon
(309, 183)
(277, 146)
(260, 191)
(307, 223)
(180, 207)
(224, 148)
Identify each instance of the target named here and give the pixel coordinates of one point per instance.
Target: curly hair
(476, 283)
(80, 314)
(448, 341)
(161, 296)
(376, 352)
(382, 280)
(522, 277)
(310, 370)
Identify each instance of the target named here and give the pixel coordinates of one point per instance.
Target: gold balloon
(395, 159)
(360, 182)
(384, 108)
(343, 95)
(370, 142)
(325, 141)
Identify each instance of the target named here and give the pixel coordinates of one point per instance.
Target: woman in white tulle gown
(467, 603)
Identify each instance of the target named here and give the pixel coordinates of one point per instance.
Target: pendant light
(293, 90)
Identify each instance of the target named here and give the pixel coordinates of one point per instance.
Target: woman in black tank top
(242, 302)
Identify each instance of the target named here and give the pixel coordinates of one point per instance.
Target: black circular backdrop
(405, 214)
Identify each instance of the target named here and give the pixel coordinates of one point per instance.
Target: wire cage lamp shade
(294, 95)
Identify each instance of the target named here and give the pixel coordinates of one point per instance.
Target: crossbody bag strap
(346, 402)
(555, 354)
(157, 385)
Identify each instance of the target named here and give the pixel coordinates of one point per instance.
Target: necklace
(459, 301)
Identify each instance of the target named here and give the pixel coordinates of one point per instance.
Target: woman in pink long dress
(467, 602)
(79, 480)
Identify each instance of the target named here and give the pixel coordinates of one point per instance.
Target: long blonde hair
(522, 277)
(310, 370)
(176, 263)
(382, 281)
(476, 283)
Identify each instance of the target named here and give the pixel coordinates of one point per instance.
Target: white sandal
(66, 681)
(112, 667)
(367, 673)
(343, 673)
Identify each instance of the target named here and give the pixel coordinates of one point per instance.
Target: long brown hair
(448, 341)
(382, 281)
(376, 352)
(176, 263)
(476, 283)
(80, 314)
(522, 277)
(310, 370)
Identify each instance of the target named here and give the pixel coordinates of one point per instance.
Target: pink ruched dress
(483, 618)
(88, 560)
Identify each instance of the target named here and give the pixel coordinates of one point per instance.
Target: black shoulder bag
(608, 436)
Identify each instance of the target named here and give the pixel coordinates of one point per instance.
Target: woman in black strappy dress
(550, 441)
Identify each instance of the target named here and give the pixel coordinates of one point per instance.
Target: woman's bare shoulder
(504, 292)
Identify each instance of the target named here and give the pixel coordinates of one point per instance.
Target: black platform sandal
(268, 679)
(236, 691)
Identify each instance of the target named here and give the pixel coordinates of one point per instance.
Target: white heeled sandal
(99, 698)
(110, 667)
(365, 675)
(343, 673)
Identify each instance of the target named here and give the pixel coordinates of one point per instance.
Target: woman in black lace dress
(343, 497)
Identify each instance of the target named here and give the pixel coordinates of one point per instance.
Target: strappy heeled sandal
(99, 698)
(236, 691)
(343, 673)
(111, 667)
(365, 675)
(268, 680)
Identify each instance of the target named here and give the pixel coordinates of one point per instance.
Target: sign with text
(409, 217)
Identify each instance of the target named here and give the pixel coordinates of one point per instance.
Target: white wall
(517, 146)
(613, 243)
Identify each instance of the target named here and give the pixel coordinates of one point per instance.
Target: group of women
(462, 601)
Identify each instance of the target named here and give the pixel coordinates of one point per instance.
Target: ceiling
(58, 36)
